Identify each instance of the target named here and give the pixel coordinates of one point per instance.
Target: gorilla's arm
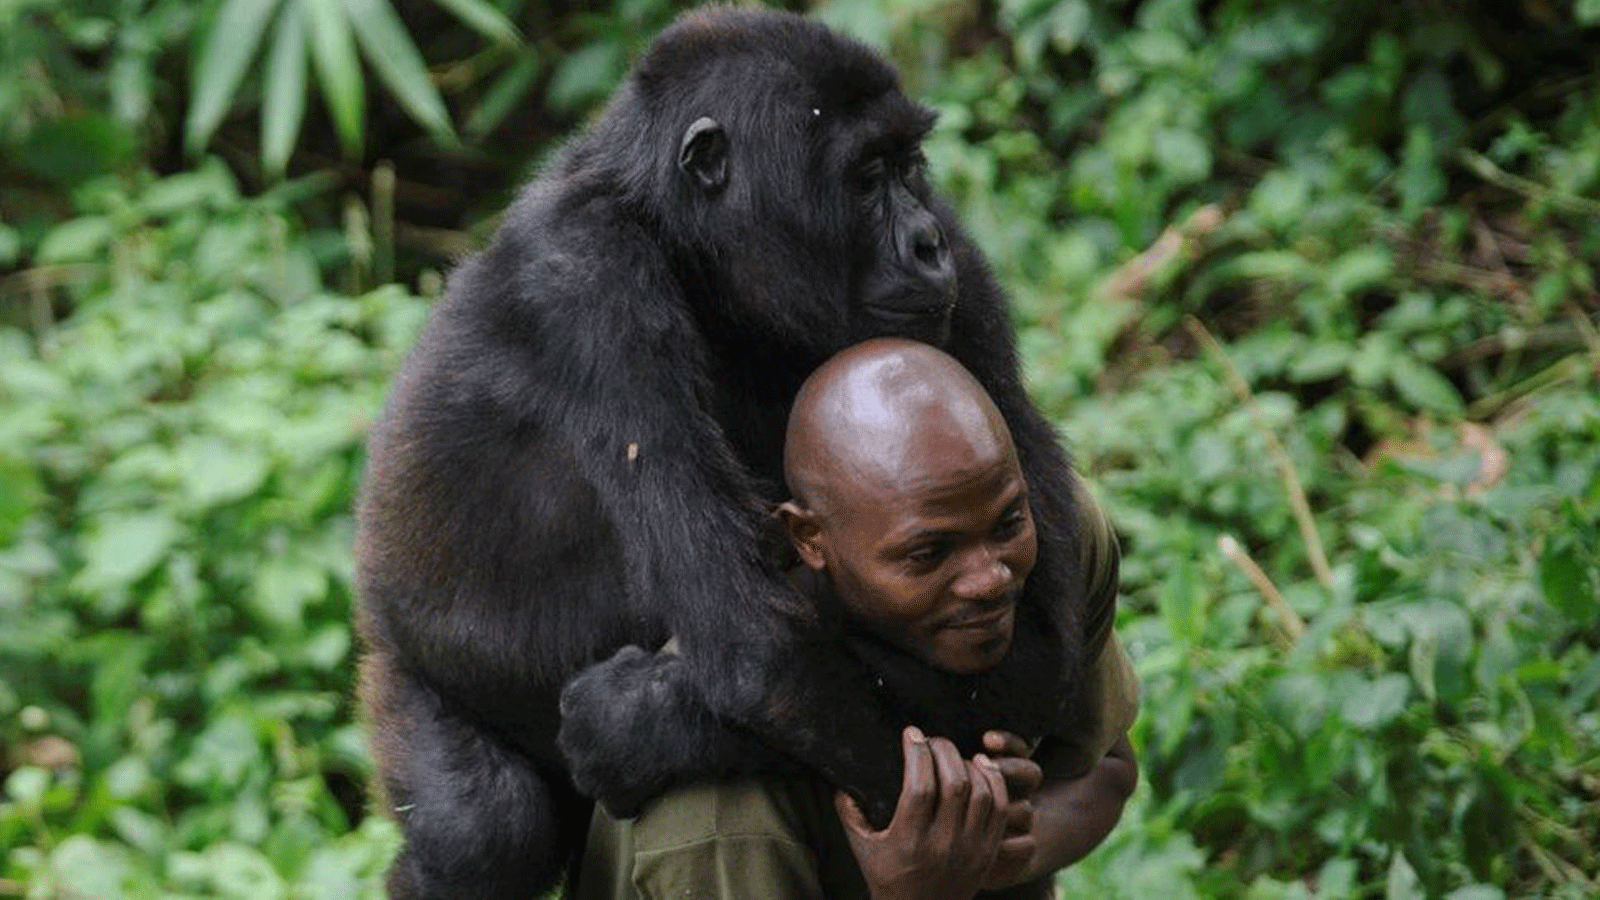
(623, 382)
(630, 726)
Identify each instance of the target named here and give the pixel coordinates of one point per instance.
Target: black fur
(579, 453)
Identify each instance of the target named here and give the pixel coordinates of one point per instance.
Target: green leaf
(1402, 883)
(128, 777)
(586, 74)
(27, 785)
(509, 88)
(82, 866)
(1423, 387)
(234, 40)
(130, 78)
(216, 472)
(1440, 649)
(139, 829)
(1420, 176)
(1281, 197)
(1476, 892)
(328, 649)
(1299, 702)
(83, 238)
(1182, 154)
(1373, 705)
(1321, 360)
(1273, 265)
(284, 586)
(390, 50)
(122, 547)
(20, 492)
(483, 18)
(10, 245)
(283, 106)
(209, 185)
(1183, 603)
(224, 753)
(1374, 358)
(1359, 269)
(1567, 583)
(338, 69)
(229, 869)
(1337, 878)
(71, 149)
(1069, 21)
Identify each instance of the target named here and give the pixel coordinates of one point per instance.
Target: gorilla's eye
(869, 176)
(916, 166)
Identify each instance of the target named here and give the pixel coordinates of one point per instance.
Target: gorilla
(580, 455)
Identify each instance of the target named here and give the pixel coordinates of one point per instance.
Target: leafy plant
(298, 37)
(180, 453)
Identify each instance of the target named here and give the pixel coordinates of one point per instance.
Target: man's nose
(987, 577)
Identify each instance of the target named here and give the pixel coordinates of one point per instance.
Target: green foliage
(1361, 529)
(180, 453)
(321, 36)
(62, 121)
(249, 53)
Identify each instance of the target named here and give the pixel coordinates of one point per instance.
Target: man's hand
(1015, 861)
(947, 829)
(1066, 818)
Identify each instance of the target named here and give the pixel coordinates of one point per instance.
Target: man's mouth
(988, 620)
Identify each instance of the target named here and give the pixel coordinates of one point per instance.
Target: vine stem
(1280, 456)
(1484, 168)
(1293, 625)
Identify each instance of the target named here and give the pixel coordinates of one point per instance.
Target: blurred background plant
(1310, 288)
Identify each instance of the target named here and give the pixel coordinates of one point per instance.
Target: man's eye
(925, 556)
(1011, 525)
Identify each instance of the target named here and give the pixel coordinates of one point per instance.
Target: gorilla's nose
(928, 254)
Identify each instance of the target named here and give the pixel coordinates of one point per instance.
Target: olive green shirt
(780, 838)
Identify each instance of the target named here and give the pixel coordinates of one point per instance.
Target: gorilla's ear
(703, 155)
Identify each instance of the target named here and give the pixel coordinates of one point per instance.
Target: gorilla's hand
(622, 693)
(634, 725)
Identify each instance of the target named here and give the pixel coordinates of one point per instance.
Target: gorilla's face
(908, 281)
(817, 217)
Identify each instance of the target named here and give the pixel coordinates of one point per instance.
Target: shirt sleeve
(728, 867)
(1112, 691)
(718, 841)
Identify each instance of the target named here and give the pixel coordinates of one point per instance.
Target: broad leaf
(122, 547)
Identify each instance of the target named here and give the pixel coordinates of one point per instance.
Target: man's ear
(805, 533)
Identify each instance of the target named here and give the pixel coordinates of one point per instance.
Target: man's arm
(1069, 817)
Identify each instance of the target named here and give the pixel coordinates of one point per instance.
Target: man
(910, 517)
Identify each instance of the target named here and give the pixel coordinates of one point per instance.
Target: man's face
(932, 556)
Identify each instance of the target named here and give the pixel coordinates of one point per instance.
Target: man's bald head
(867, 416)
(909, 502)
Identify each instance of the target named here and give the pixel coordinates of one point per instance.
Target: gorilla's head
(782, 164)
